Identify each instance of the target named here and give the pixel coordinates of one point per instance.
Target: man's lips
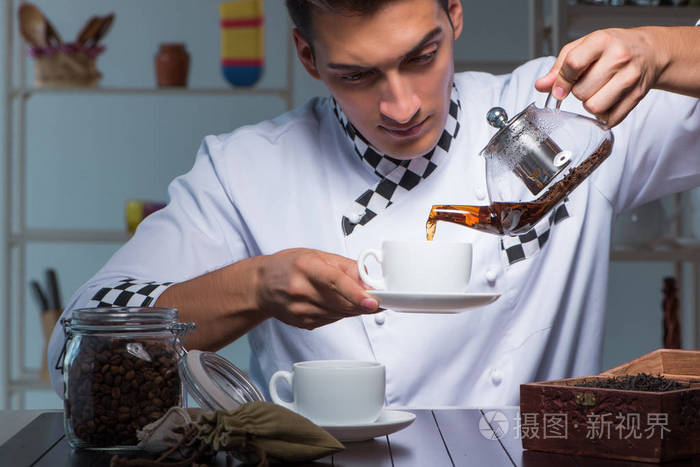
(405, 131)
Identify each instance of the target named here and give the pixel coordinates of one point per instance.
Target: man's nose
(398, 102)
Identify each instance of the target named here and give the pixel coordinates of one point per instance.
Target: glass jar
(120, 373)
(125, 367)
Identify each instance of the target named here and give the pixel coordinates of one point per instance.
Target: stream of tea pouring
(528, 150)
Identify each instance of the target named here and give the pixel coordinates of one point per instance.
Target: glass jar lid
(215, 383)
(123, 319)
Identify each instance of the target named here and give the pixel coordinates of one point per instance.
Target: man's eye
(425, 58)
(353, 77)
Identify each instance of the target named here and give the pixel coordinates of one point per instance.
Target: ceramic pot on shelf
(172, 63)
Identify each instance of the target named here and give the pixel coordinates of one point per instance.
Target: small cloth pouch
(257, 433)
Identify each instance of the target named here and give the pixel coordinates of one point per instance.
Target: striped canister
(242, 41)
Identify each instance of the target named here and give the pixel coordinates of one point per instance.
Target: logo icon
(493, 425)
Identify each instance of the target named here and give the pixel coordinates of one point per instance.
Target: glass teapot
(532, 163)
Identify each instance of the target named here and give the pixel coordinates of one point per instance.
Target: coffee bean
(112, 392)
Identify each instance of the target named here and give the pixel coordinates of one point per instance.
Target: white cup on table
(334, 392)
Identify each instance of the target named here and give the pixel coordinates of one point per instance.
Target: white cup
(334, 392)
(420, 266)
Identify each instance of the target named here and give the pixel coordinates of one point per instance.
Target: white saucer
(432, 302)
(390, 421)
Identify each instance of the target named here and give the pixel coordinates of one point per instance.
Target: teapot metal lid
(523, 146)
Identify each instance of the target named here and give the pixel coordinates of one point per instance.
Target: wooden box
(557, 416)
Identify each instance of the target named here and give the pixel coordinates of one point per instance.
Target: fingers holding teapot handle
(608, 70)
(547, 82)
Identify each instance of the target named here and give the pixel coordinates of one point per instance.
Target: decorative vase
(242, 41)
(172, 64)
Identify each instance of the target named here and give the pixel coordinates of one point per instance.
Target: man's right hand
(310, 288)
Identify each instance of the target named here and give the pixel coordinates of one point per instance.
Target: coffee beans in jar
(120, 373)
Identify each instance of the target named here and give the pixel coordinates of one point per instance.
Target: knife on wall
(40, 296)
(53, 290)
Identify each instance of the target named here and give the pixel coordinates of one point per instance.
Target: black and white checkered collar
(527, 245)
(397, 177)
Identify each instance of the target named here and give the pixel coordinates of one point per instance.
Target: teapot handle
(548, 102)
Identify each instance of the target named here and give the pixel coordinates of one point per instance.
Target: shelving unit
(16, 378)
(571, 21)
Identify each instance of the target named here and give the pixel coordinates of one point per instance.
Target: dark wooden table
(441, 437)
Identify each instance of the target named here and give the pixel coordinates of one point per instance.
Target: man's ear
(454, 9)
(305, 54)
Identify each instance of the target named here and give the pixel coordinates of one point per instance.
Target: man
(260, 236)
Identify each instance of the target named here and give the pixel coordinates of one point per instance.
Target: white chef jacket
(287, 182)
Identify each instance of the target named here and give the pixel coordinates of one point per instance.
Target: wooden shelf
(582, 19)
(633, 11)
(30, 91)
(28, 384)
(689, 252)
(69, 236)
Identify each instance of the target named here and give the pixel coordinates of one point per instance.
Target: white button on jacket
(491, 276)
(287, 182)
(496, 377)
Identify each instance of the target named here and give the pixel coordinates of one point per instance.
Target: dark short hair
(300, 10)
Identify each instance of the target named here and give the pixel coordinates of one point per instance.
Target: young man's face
(391, 72)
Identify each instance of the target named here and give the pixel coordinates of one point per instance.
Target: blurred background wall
(87, 154)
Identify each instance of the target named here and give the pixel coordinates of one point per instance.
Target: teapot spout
(482, 218)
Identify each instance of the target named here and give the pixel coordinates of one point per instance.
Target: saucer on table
(410, 302)
(389, 421)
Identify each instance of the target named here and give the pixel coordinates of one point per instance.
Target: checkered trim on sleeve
(397, 177)
(128, 292)
(515, 249)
